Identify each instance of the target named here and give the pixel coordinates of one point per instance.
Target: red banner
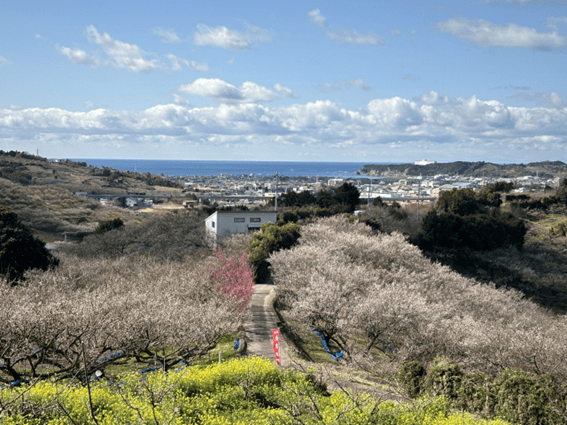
(276, 336)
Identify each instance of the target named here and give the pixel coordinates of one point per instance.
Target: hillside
(42, 193)
(545, 169)
(26, 169)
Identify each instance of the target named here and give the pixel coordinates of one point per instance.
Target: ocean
(215, 168)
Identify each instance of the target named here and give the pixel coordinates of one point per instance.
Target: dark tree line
(468, 219)
(345, 195)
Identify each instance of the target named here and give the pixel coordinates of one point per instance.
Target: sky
(361, 81)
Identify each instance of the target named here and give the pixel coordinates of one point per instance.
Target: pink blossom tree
(234, 276)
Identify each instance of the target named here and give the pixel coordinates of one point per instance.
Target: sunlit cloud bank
(429, 123)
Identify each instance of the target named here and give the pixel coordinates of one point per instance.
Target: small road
(259, 328)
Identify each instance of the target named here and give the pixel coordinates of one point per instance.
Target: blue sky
(263, 80)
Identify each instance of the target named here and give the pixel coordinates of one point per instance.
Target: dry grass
(51, 210)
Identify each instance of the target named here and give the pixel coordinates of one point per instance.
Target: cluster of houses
(228, 191)
(256, 192)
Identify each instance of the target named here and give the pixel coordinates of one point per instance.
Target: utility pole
(418, 197)
(276, 194)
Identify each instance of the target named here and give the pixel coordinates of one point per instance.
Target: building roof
(243, 212)
(240, 212)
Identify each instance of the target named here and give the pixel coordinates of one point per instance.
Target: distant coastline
(216, 168)
(547, 169)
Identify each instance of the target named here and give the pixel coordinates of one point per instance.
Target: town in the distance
(422, 181)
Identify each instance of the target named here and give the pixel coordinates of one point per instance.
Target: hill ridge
(544, 169)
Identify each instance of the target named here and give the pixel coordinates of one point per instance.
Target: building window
(213, 224)
(239, 219)
(255, 219)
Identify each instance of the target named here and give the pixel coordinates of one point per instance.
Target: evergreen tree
(19, 249)
(272, 238)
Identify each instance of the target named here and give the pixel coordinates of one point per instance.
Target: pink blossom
(235, 277)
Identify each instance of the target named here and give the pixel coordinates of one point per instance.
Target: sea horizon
(173, 167)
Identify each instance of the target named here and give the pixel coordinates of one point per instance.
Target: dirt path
(259, 328)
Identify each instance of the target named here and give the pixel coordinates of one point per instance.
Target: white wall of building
(425, 162)
(228, 223)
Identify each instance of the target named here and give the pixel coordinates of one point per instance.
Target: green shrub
(19, 249)
(108, 225)
(395, 210)
(474, 394)
(290, 216)
(480, 232)
(272, 238)
(499, 187)
(520, 398)
(443, 378)
(410, 377)
(559, 229)
(514, 395)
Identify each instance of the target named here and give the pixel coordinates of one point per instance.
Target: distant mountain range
(545, 169)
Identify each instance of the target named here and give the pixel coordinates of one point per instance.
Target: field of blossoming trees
(120, 328)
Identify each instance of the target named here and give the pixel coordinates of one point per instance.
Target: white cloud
(395, 31)
(317, 18)
(395, 112)
(341, 35)
(124, 55)
(177, 64)
(356, 83)
(220, 37)
(554, 21)
(223, 92)
(284, 91)
(3, 60)
(409, 77)
(180, 100)
(353, 37)
(549, 100)
(254, 33)
(254, 93)
(433, 123)
(487, 34)
(89, 105)
(327, 87)
(79, 56)
(167, 35)
(229, 39)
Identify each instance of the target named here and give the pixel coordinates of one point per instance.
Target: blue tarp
(150, 369)
(112, 356)
(371, 335)
(15, 384)
(324, 341)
